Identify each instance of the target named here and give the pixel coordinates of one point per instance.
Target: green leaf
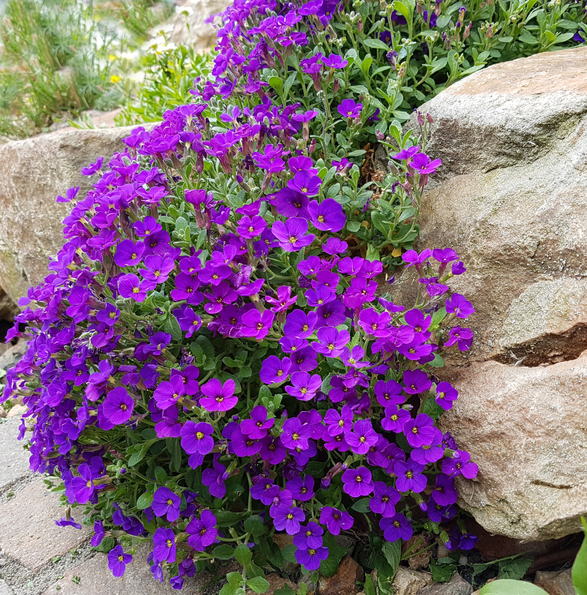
(258, 584)
(226, 518)
(160, 475)
(137, 457)
(223, 552)
(277, 84)
(174, 448)
(509, 587)
(442, 21)
(393, 554)
(243, 554)
(442, 573)
(580, 565)
(369, 587)
(288, 83)
(361, 505)
(437, 318)
(433, 409)
(145, 500)
(254, 524)
(376, 44)
(285, 590)
(288, 553)
(514, 569)
(171, 327)
(353, 226)
(403, 10)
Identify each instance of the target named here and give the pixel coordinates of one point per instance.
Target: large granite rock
(511, 200)
(32, 173)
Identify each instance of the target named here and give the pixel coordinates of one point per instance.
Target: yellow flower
(112, 57)
(114, 78)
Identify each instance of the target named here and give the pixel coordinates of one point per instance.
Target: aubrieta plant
(214, 357)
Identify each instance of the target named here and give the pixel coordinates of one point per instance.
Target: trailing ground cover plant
(214, 357)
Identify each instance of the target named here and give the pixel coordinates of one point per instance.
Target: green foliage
(169, 75)
(580, 566)
(511, 587)
(62, 57)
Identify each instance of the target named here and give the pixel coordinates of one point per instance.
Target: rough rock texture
(409, 582)
(344, 582)
(456, 586)
(526, 430)
(556, 583)
(35, 542)
(193, 29)
(33, 173)
(513, 191)
(14, 462)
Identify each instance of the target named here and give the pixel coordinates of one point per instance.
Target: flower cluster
(214, 355)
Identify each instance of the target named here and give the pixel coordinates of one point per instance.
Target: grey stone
(559, 582)
(5, 589)
(410, 582)
(511, 198)
(28, 533)
(95, 578)
(33, 172)
(456, 586)
(526, 429)
(14, 459)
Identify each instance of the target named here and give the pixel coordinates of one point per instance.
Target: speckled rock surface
(511, 198)
(33, 172)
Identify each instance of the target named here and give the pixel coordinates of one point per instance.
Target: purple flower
(196, 438)
(422, 164)
(420, 430)
(274, 370)
(309, 537)
(362, 438)
(311, 557)
(460, 464)
(288, 519)
(349, 109)
(250, 227)
(462, 336)
(166, 503)
(409, 476)
(395, 419)
(389, 393)
(295, 435)
(117, 560)
(215, 479)
(256, 324)
(397, 527)
(300, 325)
(99, 534)
(384, 499)
(459, 306)
(301, 488)
(202, 532)
(327, 215)
(305, 183)
(335, 520)
(335, 246)
(444, 492)
(168, 393)
(128, 253)
(416, 382)
(118, 406)
(357, 482)
(219, 397)
(130, 286)
(258, 426)
(446, 394)
(304, 387)
(331, 342)
(334, 61)
(291, 235)
(164, 549)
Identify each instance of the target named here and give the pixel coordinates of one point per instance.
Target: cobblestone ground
(39, 558)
